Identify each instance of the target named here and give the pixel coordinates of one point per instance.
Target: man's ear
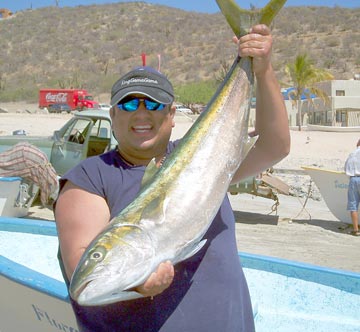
(172, 110)
(112, 112)
(172, 114)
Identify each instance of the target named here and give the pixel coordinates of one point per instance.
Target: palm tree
(304, 76)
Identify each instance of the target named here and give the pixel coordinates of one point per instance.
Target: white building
(342, 109)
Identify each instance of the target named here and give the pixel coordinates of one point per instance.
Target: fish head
(116, 261)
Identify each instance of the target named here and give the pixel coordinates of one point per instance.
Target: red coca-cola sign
(60, 97)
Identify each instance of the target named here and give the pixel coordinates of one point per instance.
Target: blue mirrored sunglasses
(131, 105)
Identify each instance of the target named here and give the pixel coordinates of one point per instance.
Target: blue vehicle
(59, 108)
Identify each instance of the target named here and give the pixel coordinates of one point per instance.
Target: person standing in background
(352, 169)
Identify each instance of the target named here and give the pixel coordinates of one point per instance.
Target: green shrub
(195, 93)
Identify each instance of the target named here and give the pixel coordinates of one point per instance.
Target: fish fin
(124, 295)
(241, 20)
(156, 209)
(251, 140)
(185, 254)
(130, 295)
(150, 171)
(131, 288)
(189, 252)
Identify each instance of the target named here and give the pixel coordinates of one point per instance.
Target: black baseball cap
(146, 81)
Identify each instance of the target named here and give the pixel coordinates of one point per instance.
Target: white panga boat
(286, 295)
(16, 196)
(34, 297)
(334, 129)
(333, 186)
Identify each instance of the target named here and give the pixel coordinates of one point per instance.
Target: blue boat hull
(290, 296)
(286, 295)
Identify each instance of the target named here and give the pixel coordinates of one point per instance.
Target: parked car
(104, 107)
(86, 134)
(59, 108)
(183, 109)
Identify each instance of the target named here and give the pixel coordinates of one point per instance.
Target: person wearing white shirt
(352, 169)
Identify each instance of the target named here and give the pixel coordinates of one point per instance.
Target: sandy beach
(309, 234)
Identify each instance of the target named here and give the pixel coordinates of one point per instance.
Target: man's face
(142, 133)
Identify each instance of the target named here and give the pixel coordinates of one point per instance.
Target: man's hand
(258, 45)
(158, 280)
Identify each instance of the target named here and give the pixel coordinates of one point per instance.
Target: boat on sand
(286, 295)
(333, 186)
(334, 129)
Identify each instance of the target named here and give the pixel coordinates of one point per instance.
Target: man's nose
(142, 107)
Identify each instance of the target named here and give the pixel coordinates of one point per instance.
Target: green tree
(304, 76)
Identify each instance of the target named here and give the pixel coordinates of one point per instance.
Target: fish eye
(97, 255)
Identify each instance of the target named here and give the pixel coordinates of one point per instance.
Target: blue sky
(208, 6)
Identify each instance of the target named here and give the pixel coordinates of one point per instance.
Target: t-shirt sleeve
(85, 175)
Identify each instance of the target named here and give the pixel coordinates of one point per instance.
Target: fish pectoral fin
(150, 171)
(132, 287)
(156, 209)
(248, 145)
(189, 252)
(130, 295)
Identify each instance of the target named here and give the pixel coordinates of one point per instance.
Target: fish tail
(241, 20)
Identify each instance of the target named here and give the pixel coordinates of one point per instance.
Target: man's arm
(272, 127)
(80, 217)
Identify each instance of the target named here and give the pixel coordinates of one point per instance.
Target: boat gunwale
(312, 168)
(23, 275)
(344, 280)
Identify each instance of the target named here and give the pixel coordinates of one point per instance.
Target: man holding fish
(157, 252)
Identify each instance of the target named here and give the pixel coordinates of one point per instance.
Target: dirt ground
(309, 234)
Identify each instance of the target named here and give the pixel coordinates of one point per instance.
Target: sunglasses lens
(131, 105)
(153, 105)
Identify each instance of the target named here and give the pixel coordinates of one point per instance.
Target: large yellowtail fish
(177, 202)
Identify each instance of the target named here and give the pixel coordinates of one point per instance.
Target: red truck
(75, 98)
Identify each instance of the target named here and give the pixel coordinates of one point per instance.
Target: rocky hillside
(90, 46)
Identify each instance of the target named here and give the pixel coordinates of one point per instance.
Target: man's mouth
(142, 129)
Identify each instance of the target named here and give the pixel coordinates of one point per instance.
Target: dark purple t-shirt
(209, 292)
